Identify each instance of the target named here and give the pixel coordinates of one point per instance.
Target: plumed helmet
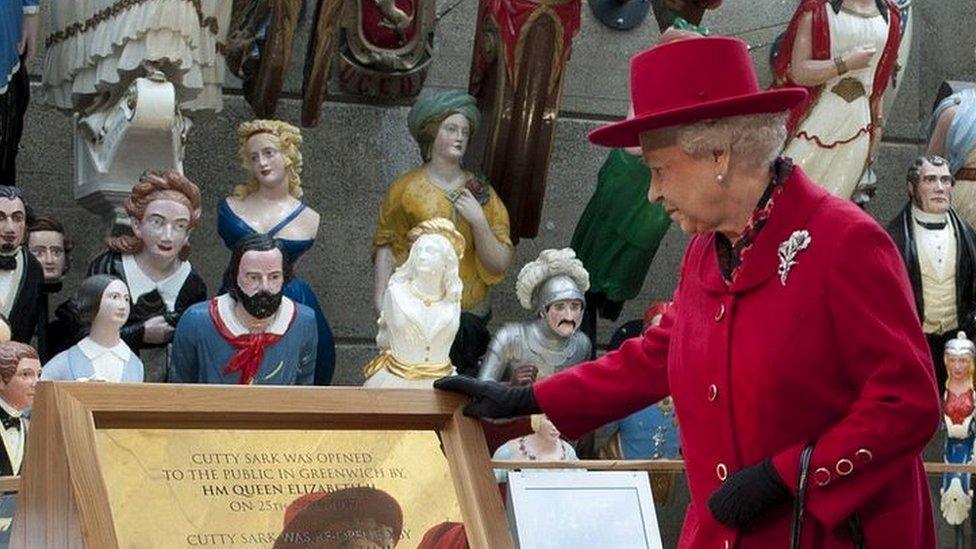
(556, 275)
(557, 288)
(960, 346)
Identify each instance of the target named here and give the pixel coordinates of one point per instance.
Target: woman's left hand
(747, 494)
(469, 208)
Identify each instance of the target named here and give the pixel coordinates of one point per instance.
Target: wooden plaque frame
(64, 500)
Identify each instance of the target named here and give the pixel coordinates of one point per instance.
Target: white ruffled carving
(110, 56)
(956, 503)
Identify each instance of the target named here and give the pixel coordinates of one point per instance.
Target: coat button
(722, 472)
(720, 313)
(863, 455)
(844, 467)
(712, 392)
(821, 476)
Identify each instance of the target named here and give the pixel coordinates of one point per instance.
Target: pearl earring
(719, 178)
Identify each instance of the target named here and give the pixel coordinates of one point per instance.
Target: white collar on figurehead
(140, 284)
(926, 217)
(278, 326)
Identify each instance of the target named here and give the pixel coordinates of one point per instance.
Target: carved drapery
(520, 55)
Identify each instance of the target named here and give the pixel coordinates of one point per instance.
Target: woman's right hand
(859, 57)
(491, 399)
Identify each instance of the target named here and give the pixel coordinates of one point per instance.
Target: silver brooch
(788, 249)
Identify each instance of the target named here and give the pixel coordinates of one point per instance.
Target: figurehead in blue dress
(957, 408)
(285, 140)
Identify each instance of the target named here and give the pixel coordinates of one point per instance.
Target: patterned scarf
(731, 256)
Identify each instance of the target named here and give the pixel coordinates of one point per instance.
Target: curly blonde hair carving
(287, 138)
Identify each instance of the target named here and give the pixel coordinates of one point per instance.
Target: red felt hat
(689, 81)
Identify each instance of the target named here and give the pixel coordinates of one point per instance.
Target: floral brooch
(797, 242)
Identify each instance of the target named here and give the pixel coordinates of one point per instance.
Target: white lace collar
(140, 284)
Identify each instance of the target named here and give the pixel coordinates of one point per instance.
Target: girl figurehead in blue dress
(270, 203)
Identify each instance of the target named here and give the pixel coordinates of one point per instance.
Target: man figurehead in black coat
(939, 249)
(21, 275)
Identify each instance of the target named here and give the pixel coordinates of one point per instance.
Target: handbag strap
(801, 495)
(856, 531)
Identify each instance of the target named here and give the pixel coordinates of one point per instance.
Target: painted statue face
(547, 429)
(13, 224)
(933, 192)
(164, 228)
(428, 254)
(959, 367)
(564, 316)
(19, 391)
(452, 137)
(267, 161)
(684, 184)
(261, 272)
(114, 307)
(260, 278)
(48, 248)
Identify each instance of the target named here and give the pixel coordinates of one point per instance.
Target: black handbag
(853, 523)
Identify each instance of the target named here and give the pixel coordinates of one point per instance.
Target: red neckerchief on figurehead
(821, 51)
(730, 256)
(250, 347)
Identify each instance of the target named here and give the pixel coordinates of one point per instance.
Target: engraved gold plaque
(234, 488)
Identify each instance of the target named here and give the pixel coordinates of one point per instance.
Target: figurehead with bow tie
(21, 275)
(939, 249)
(20, 368)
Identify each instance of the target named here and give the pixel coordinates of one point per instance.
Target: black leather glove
(491, 399)
(747, 495)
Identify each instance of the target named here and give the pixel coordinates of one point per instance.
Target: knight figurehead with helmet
(553, 286)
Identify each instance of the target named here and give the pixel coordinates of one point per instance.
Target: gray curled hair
(753, 139)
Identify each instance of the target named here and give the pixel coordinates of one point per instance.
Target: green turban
(435, 107)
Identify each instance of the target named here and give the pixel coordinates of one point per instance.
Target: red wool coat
(758, 370)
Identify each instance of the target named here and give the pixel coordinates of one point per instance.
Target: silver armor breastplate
(532, 342)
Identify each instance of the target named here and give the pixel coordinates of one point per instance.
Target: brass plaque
(236, 488)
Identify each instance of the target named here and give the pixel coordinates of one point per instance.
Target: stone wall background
(359, 148)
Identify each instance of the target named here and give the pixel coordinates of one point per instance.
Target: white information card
(568, 509)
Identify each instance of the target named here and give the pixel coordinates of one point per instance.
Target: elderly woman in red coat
(792, 350)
